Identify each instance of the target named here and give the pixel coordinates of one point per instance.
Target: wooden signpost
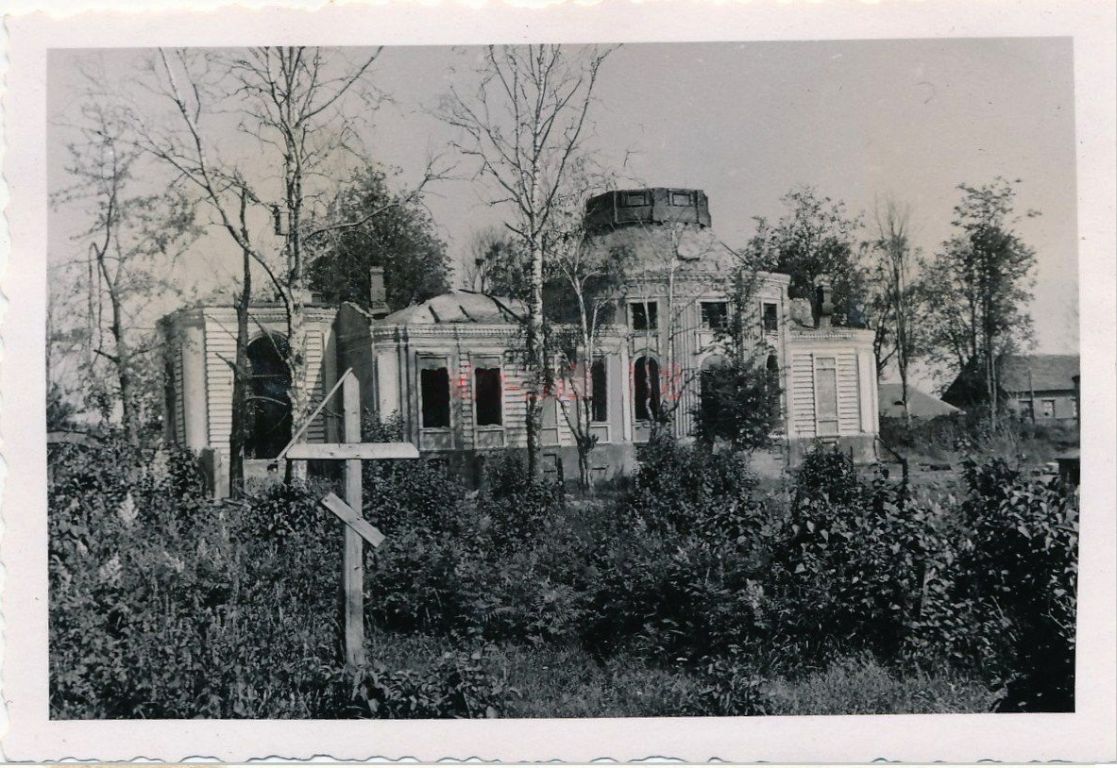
(357, 530)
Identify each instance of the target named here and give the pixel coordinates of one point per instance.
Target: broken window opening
(599, 403)
(646, 388)
(645, 316)
(434, 396)
(772, 382)
(269, 398)
(634, 199)
(488, 397)
(715, 315)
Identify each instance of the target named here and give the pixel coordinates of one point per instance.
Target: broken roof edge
(459, 307)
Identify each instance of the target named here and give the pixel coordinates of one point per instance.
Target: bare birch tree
(523, 125)
(290, 104)
(592, 279)
(131, 240)
(293, 104)
(895, 302)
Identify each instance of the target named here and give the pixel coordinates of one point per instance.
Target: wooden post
(353, 565)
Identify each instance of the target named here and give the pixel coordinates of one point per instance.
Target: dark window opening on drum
(488, 396)
(434, 392)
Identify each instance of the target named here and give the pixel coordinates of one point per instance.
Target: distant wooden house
(1040, 388)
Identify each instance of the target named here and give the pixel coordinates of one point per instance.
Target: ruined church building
(451, 371)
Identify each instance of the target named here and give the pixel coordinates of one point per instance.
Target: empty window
(1026, 409)
(680, 198)
(646, 388)
(826, 396)
(645, 316)
(634, 199)
(1047, 409)
(488, 395)
(715, 314)
(771, 318)
(434, 392)
(772, 383)
(599, 404)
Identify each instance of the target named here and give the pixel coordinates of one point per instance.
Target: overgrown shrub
(682, 489)
(457, 685)
(1018, 566)
(166, 604)
(727, 685)
(514, 505)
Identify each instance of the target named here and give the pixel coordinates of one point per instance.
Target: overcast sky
(747, 123)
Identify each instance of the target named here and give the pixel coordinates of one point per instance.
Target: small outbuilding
(920, 404)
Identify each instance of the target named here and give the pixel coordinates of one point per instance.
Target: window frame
(488, 364)
(435, 363)
(651, 319)
(775, 316)
(628, 199)
(705, 320)
(602, 402)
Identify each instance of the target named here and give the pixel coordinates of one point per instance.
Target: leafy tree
(497, 265)
(816, 238)
(739, 399)
(979, 284)
(389, 229)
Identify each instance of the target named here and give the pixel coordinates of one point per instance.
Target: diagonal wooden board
(350, 517)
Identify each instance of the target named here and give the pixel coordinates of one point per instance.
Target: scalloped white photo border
(26, 732)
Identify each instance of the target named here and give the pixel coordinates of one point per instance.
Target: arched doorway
(269, 401)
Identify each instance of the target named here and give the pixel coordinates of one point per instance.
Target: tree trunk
(298, 392)
(535, 360)
(239, 434)
(123, 362)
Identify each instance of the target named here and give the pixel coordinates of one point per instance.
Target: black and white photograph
(509, 381)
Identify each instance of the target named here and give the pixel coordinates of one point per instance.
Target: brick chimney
(377, 294)
(823, 302)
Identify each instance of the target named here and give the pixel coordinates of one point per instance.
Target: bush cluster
(166, 604)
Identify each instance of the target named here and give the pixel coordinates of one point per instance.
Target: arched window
(646, 388)
(269, 402)
(772, 369)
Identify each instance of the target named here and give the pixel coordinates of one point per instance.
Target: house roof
(1048, 372)
(460, 307)
(920, 404)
